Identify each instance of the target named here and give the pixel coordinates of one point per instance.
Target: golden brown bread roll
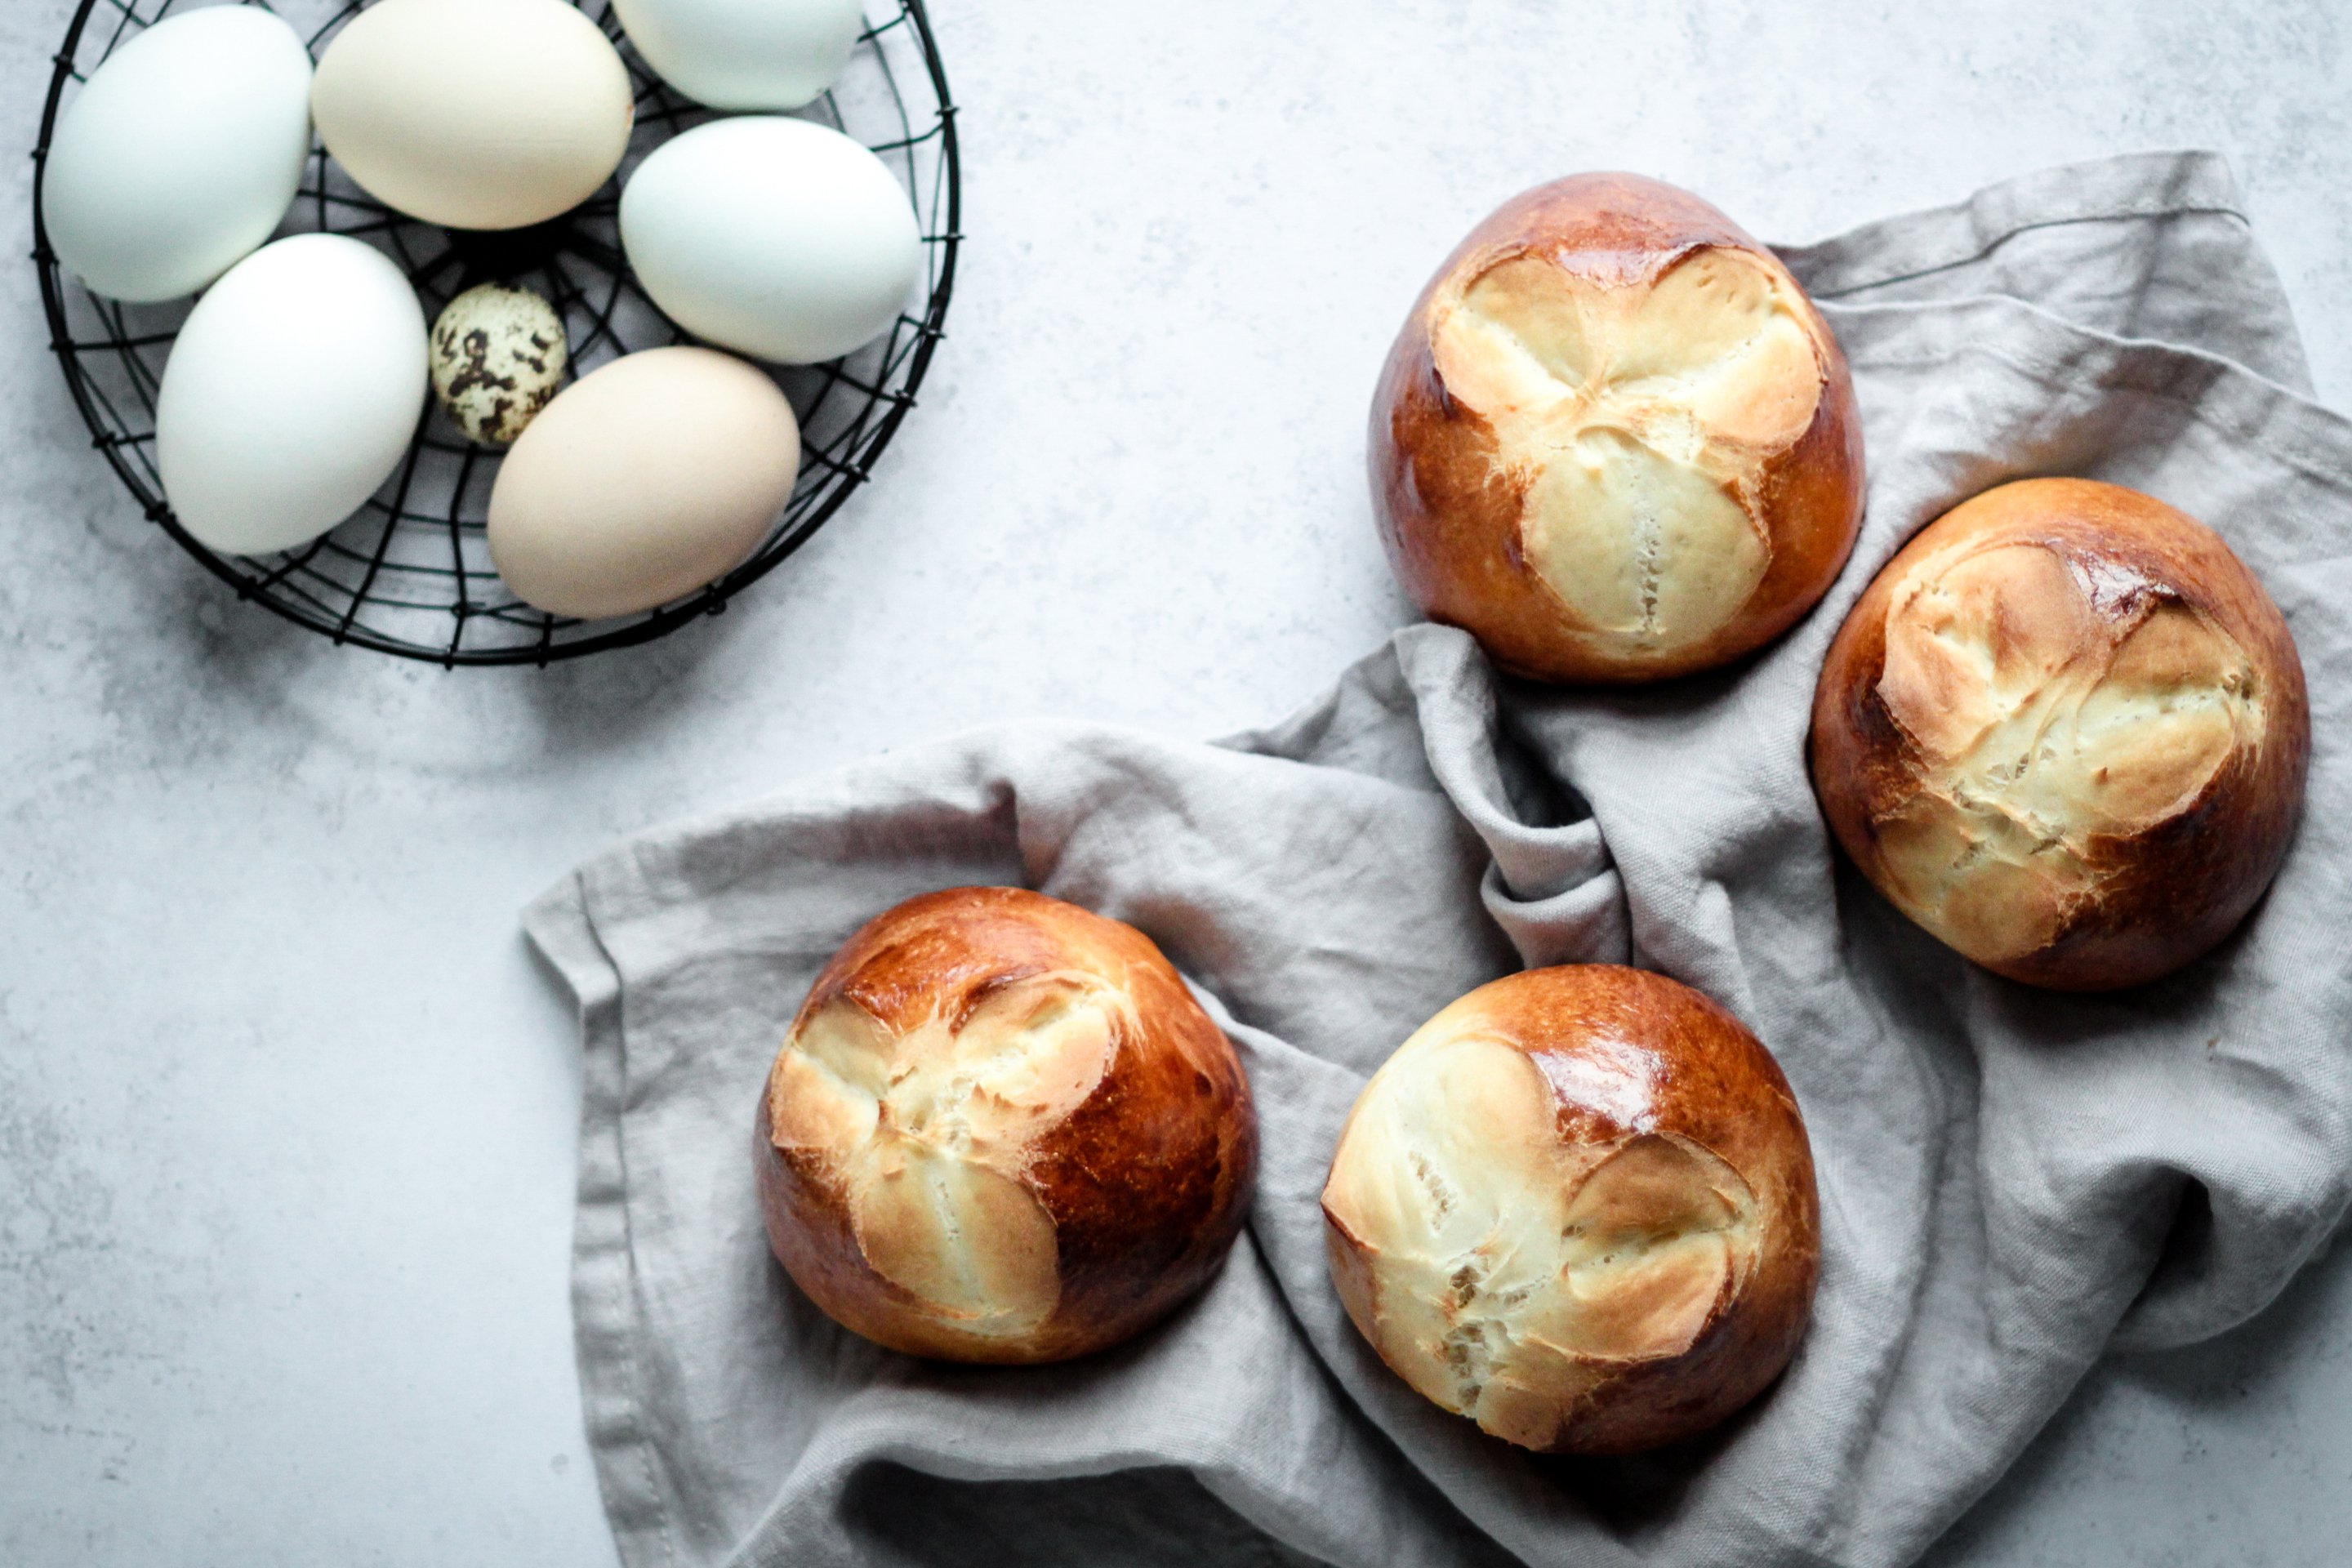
(1578, 1206)
(2066, 731)
(1000, 1130)
(1614, 440)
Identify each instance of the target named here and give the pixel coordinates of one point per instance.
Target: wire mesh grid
(410, 574)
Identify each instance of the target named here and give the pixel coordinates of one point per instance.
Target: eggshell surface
(744, 54)
(775, 238)
(180, 154)
(498, 357)
(291, 393)
(488, 114)
(643, 480)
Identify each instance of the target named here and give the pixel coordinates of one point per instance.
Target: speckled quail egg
(498, 358)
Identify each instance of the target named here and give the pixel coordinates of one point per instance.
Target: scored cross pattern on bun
(2066, 731)
(1614, 440)
(1001, 1130)
(1578, 1206)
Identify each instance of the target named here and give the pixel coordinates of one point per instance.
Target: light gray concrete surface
(286, 1110)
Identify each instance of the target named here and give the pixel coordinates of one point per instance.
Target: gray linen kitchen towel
(2012, 1181)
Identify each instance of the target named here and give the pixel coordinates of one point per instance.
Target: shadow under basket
(410, 572)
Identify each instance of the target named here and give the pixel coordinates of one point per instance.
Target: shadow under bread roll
(1001, 1130)
(2066, 731)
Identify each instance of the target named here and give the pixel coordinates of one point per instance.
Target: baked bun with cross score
(1614, 440)
(2066, 731)
(1001, 1130)
(1578, 1206)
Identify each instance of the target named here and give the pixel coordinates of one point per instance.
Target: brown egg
(642, 481)
(1577, 1207)
(2066, 731)
(1614, 441)
(1001, 1130)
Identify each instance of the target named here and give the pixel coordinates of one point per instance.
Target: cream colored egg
(498, 357)
(486, 114)
(643, 480)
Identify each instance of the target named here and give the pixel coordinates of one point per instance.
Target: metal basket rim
(710, 601)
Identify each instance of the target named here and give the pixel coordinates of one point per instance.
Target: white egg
(180, 154)
(744, 54)
(774, 237)
(291, 393)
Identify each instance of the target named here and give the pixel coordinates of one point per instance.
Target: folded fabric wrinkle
(2012, 1183)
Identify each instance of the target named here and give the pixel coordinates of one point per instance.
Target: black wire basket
(410, 574)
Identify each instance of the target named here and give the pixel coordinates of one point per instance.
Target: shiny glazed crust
(1454, 504)
(1578, 1205)
(1001, 1130)
(2066, 731)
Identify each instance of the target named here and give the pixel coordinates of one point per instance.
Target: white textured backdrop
(286, 1113)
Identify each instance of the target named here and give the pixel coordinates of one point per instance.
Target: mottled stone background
(286, 1110)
